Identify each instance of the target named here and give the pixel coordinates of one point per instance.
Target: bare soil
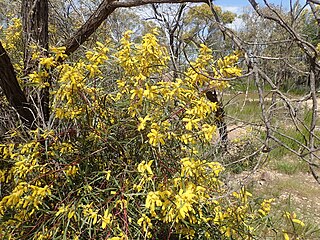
(300, 190)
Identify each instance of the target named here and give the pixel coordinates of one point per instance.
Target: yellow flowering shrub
(13, 35)
(122, 154)
(11, 38)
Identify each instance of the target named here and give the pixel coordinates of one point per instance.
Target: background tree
(302, 61)
(201, 28)
(170, 19)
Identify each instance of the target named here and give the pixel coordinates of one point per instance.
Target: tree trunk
(12, 90)
(219, 118)
(35, 33)
(35, 29)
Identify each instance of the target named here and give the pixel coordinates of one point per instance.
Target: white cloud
(234, 9)
(237, 24)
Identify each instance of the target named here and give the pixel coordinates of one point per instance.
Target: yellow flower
(187, 138)
(72, 170)
(62, 210)
(298, 222)
(93, 70)
(108, 174)
(90, 213)
(191, 123)
(72, 214)
(145, 167)
(187, 167)
(149, 92)
(155, 137)
(136, 93)
(138, 187)
(208, 131)
(153, 200)
(286, 236)
(2, 176)
(106, 219)
(293, 217)
(59, 52)
(184, 201)
(266, 206)
(143, 122)
(145, 221)
(47, 62)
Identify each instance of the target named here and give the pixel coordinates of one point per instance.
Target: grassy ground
(284, 176)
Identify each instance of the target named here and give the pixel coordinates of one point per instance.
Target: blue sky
(243, 3)
(237, 5)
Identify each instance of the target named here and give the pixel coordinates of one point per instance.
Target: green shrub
(123, 163)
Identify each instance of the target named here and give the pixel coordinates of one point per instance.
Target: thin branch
(314, 1)
(307, 47)
(315, 12)
(105, 9)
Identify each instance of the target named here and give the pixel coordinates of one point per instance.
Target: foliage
(123, 162)
(12, 41)
(200, 25)
(203, 9)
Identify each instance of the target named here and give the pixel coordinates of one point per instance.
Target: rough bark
(35, 17)
(35, 29)
(12, 90)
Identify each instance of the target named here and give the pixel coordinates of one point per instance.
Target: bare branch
(307, 47)
(135, 3)
(95, 20)
(314, 1)
(313, 121)
(315, 12)
(102, 13)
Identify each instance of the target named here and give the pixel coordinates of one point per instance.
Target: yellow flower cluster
(295, 223)
(141, 60)
(121, 162)
(183, 200)
(73, 92)
(11, 39)
(13, 35)
(27, 194)
(266, 206)
(26, 177)
(154, 102)
(226, 66)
